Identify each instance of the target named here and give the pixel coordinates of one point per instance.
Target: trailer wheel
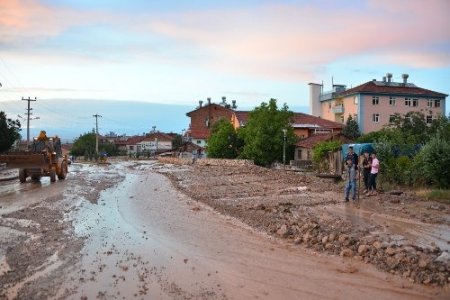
(63, 173)
(35, 177)
(22, 175)
(52, 175)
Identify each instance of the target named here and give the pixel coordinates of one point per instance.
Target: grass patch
(438, 195)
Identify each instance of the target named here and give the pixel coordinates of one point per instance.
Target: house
(132, 145)
(303, 148)
(205, 116)
(189, 150)
(307, 125)
(156, 142)
(373, 104)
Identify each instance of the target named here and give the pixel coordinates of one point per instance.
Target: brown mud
(121, 231)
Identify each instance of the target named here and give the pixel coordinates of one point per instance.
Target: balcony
(338, 109)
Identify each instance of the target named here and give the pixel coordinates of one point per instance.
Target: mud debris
(315, 217)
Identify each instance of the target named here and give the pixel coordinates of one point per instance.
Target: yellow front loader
(36, 165)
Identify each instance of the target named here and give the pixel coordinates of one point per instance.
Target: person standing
(351, 180)
(353, 156)
(374, 169)
(366, 170)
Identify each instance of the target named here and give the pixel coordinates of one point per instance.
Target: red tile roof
(305, 119)
(311, 141)
(205, 106)
(134, 140)
(160, 136)
(199, 133)
(379, 87)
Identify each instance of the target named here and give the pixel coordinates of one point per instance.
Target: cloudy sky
(178, 52)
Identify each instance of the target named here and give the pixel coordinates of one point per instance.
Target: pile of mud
(310, 211)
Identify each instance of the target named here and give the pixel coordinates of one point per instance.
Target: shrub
(432, 164)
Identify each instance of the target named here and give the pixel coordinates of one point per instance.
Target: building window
(355, 117)
(437, 103)
(132, 148)
(376, 118)
(407, 101)
(329, 105)
(391, 118)
(429, 119)
(392, 101)
(356, 100)
(430, 103)
(199, 141)
(415, 102)
(375, 100)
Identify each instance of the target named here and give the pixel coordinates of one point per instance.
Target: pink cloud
(21, 20)
(286, 39)
(292, 41)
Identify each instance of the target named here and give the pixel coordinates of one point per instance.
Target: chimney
(209, 100)
(389, 77)
(384, 78)
(200, 103)
(405, 79)
(234, 104)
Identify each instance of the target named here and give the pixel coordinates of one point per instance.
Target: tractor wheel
(22, 175)
(52, 175)
(63, 172)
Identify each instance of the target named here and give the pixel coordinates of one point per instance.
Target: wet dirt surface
(122, 231)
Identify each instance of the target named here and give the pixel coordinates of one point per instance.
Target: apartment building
(373, 103)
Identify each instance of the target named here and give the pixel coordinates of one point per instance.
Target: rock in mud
(390, 251)
(444, 257)
(283, 231)
(362, 249)
(347, 252)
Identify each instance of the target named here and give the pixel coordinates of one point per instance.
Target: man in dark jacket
(353, 156)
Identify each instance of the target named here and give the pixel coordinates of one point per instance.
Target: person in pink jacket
(374, 169)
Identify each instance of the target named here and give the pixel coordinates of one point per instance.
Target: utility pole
(28, 119)
(96, 116)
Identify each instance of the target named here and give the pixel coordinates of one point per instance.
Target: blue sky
(179, 52)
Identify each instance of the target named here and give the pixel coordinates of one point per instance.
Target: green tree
(9, 132)
(440, 126)
(223, 142)
(84, 145)
(432, 164)
(372, 137)
(263, 133)
(177, 141)
(351, 129)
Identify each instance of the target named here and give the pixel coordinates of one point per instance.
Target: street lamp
(284, 146)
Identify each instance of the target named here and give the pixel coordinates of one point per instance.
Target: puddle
(401, 230)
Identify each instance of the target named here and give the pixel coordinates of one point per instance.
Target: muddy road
(125, 231)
